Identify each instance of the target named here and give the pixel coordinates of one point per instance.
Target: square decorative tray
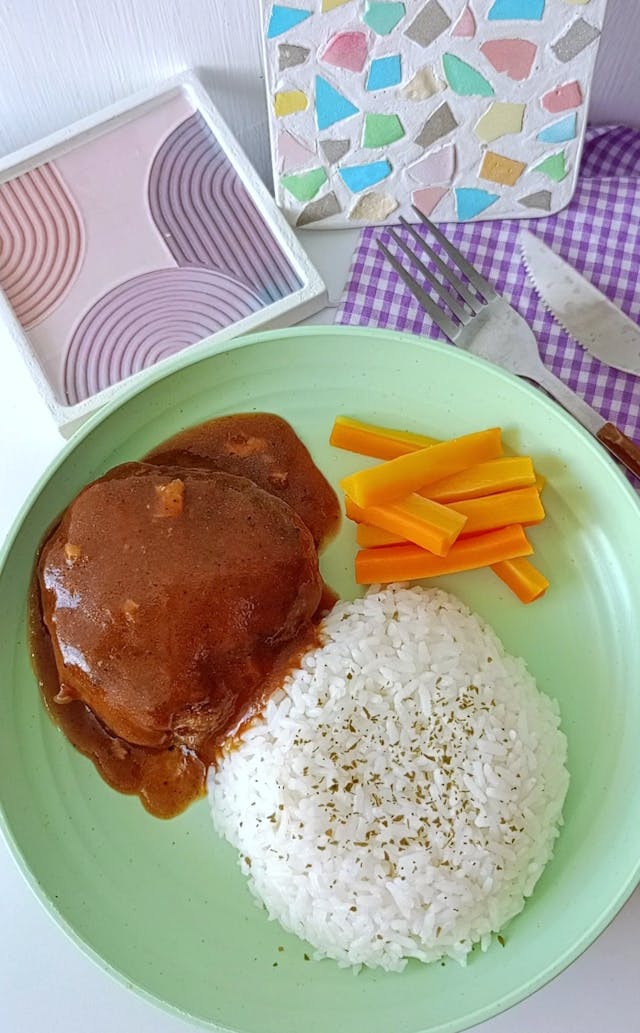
(466, 110)
(133, 235)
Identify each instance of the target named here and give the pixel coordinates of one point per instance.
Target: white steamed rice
(401, 797)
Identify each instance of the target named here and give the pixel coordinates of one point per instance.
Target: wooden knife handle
(622, 447)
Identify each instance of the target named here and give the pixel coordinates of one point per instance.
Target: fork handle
(618, 444)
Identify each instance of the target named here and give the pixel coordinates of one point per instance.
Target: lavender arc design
(205, 215)
(146, 319)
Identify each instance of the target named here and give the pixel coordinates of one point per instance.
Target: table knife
(580, 308)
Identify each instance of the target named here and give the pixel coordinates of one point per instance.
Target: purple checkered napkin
(598, 233)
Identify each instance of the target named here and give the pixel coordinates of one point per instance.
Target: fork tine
(474, 303)
(439, 317)
(472, 274)
(449, 299)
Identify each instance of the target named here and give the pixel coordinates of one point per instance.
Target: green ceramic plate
(162, 905)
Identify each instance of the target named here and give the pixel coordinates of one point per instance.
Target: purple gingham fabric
(598, 233)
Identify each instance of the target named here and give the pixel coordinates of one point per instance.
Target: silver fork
(482, 322)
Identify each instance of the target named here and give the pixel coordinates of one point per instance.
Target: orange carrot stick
(419, 520)
(400, 477)
(352, 511)
(522, 577)
(483, 514)
(369, 537)
(379, 442)
(405, 562)
(487, 478)
(507, 507)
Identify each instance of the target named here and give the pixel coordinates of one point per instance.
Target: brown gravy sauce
(264, 449)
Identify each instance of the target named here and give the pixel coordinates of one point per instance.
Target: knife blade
(580, 308)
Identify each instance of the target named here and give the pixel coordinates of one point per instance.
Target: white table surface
(46, 984)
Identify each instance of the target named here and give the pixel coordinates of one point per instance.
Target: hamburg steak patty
(170, 594)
